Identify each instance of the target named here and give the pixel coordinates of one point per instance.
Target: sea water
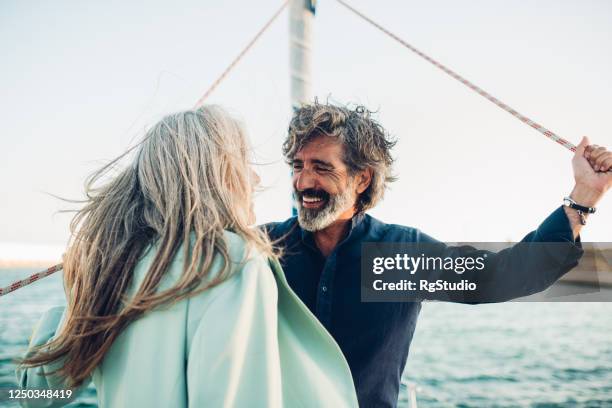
(503, 355)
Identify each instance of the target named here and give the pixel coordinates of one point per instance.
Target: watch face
(567, 202)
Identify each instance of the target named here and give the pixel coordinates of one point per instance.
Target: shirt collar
(356, 224)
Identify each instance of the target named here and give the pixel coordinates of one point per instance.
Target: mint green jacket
(248, 342)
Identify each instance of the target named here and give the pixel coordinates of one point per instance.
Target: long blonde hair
(189, 182)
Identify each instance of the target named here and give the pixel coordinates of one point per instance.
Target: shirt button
(324, 288)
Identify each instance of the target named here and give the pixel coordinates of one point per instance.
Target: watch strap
(572, 204)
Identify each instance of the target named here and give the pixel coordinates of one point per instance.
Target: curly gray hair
(366, 143)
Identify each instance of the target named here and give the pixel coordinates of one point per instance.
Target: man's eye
(322, 169)
(296, 166)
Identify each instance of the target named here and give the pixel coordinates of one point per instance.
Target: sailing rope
(467, 83)
(33, 278)
(239, 57)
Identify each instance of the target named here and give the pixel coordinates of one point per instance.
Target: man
(341, 165)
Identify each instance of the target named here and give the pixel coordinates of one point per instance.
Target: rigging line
(480, 91)
(33, 278)
(239, 57)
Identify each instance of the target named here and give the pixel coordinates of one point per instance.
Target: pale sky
(81, 80)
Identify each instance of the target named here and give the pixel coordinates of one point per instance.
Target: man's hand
(599, 157)
(593, 176)
(592, 165)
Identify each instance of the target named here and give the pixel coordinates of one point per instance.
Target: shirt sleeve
(529, 266)
(234, 355)
(555, 228)
(39, 378)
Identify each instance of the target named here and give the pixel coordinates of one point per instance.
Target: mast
(301, 19)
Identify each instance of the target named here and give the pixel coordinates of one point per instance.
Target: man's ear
(364, 178)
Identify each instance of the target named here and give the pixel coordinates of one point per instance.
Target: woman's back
(240, 343)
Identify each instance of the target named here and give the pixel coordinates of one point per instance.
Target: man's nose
(304, 180)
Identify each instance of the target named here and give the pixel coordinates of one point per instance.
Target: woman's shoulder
(243, 261)
(245, 258)
(237, 247)
(244, 265)
(249, 281)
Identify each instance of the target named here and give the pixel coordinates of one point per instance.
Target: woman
(173, 299)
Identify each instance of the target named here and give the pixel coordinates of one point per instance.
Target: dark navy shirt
(375, 337)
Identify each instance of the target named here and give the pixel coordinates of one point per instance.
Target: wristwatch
(568, 202)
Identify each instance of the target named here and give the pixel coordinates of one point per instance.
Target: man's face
(323, 188)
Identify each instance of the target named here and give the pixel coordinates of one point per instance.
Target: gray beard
(311, 219)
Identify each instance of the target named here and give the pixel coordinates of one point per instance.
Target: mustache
(311, 192)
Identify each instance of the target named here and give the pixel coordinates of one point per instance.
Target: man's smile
(313, 199)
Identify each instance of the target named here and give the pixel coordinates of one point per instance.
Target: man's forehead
(321, 145)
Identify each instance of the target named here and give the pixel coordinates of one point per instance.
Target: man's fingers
(606, 164)
(589, 149)
(598, 153)
(599, 157)
(580, 149)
